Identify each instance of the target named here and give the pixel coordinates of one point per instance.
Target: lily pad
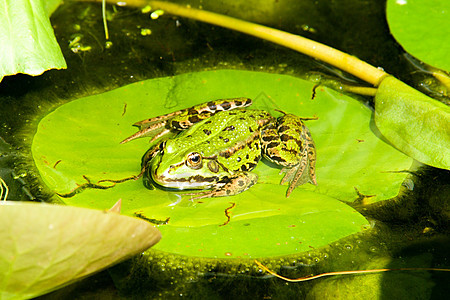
(422, 27)
(79, 141)
(47, 246)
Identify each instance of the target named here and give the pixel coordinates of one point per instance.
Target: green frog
(214, 146)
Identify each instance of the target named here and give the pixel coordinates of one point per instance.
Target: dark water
(409, 231)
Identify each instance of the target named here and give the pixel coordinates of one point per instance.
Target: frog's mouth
(180, 181)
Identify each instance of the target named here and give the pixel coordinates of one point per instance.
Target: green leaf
(422, 27)
(47, 246)
(27, 42)
(82, 138)
(413, 122)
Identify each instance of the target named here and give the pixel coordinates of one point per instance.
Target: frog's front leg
(288, 143)
(145, 163)
(229, 186)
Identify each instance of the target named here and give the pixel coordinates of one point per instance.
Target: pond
(403, 224)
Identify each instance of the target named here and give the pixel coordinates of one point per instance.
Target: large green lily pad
(82, 138)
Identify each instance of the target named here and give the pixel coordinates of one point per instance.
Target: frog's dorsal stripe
(228, 152)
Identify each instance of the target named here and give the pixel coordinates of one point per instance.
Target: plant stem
(303, 45)
(334, 57)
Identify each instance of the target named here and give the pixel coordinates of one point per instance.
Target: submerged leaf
(27, 42)
(352, 163)
(413, 122)
(47, 246)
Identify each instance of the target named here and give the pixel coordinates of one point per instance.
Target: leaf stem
(339, 59)
(303, 45)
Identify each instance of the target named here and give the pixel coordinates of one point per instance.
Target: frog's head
(177, 167)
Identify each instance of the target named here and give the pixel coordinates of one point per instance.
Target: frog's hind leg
(311, 156)
(197, 113)
(156, 131)
(307, 163)
(180, 120)
(288, 143)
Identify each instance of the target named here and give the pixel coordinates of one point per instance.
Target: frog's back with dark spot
(232, 136)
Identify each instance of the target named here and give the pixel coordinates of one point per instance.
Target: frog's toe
(297, 176)
(201, 195)
(289, 174)
(148, 183)
(232, 185)
(212, 193)
(221, 192)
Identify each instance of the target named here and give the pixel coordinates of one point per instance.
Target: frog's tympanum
(214, 147)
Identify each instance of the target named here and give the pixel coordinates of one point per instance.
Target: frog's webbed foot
(155, 127)
(297, 176)
(157, 131)
(232, 185)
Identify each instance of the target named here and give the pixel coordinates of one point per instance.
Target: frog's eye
(194, 160)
